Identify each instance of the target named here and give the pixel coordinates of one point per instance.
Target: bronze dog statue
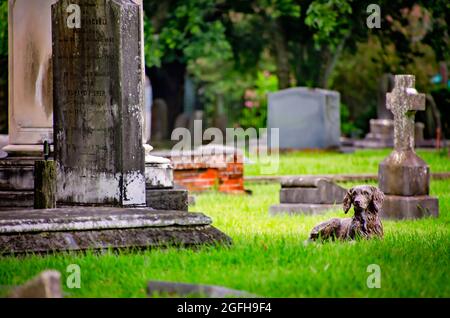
(367, 201)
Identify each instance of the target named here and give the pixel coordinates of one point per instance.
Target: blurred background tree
(3, 66)
(233, 52)
(226, 45)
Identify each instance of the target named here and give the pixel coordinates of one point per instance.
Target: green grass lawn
(268, 257)
(361, 161)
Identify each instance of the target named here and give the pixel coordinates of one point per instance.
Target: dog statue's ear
(347, 203)
(377, 198)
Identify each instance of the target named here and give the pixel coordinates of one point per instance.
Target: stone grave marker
(190, 290)
(403, 176)
(306, 118)
(308, 195)
(45, 285)
(98, 94)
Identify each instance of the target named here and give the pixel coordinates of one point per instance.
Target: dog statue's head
(363, 197)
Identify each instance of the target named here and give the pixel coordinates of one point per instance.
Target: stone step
(83, 228)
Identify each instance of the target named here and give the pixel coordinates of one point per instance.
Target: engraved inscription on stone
(97, 97)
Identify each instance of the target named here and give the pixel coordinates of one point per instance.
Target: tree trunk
(330, 64)
(281, 56)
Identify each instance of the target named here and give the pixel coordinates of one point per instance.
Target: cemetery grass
(361, 161)
(268, 256)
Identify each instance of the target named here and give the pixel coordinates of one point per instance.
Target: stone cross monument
(403, 176)
(403, 102)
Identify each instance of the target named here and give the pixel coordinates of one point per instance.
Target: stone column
(30, 77)
(98, 97)
(30, 98)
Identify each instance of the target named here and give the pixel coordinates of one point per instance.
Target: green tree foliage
(185, 33)
(3, 28)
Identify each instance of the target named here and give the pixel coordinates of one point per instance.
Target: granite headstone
(306, 118)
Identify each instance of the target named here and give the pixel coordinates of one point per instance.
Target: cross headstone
(403, 176)
(403, 102)
(98, 99)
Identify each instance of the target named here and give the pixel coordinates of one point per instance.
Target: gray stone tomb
(308, 195)
(305, 117)
(403, 176)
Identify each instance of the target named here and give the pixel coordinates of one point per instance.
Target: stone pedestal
(30, 76)
(30, 98)
(404, 173)
(161, 194)
(403, 177)
(409, 207)
(77, 229)
(311, 195)
(17, 182)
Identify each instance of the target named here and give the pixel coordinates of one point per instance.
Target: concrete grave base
(168, 199)
(88, 228)
(413, 207)
(301, 208)
(16, 199)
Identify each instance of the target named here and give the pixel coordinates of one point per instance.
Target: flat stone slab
(73, 229)
(311, 190)
(184, 290)
(168, 199)
(16, 199)
(300, 208)
(413, 207)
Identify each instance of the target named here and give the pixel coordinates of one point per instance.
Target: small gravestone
(308, 195)
(403, 176)
(98, 93)
(46, 285)
(191, 290)
(306, 118)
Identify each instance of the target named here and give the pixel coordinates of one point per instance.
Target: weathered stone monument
(307, 195)
(403, 176)
(381, 133)
(30, 92)
(305, 117)
(99, 153)
(31, 46)
(98, 98)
